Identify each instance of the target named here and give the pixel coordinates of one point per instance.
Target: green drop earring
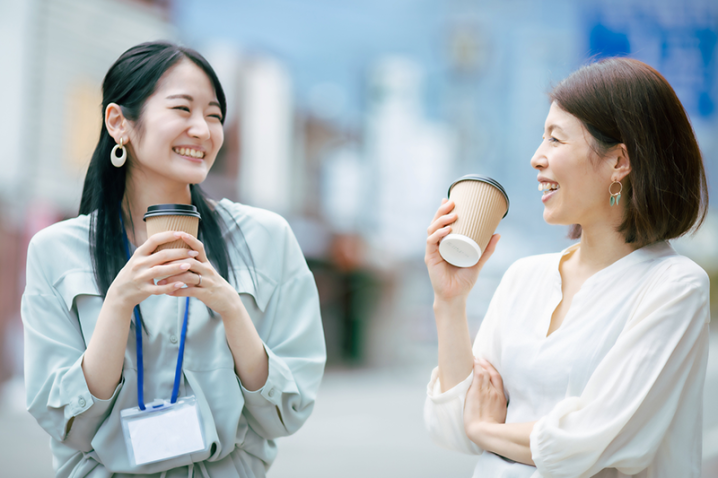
(615, 197)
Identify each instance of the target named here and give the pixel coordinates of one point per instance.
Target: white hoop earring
(118, 162)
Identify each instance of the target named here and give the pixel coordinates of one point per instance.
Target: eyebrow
(190, 99)
(553, 127)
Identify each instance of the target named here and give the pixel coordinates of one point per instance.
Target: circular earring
(118, 162)
(615, 197)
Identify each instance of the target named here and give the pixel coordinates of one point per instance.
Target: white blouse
(616, 391)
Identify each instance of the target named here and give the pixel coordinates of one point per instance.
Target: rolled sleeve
(296, 355)
(444, 415)
(57, 392)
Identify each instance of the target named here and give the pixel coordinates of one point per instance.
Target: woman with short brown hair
(589, 362)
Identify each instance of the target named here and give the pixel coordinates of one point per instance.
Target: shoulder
(668, 269)
(56, 251)
(253, 220)
(274, 249)
(62, 242)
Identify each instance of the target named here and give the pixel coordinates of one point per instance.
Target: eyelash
(184, 108)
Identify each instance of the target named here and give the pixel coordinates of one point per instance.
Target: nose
(199, 128)
(538, 160)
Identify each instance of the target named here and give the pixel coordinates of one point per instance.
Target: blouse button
(173, 339)
(81, 402)
(271, 392)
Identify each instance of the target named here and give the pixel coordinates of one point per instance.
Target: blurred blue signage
(678, 39)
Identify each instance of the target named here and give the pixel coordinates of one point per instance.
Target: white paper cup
(480, 204)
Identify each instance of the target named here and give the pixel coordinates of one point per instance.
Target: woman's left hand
(203, 281)
(485, 400)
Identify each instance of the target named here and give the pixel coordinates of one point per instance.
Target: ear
(621, 162)
(116, 123)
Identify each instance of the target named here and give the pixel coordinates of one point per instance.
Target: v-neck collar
(649, 252)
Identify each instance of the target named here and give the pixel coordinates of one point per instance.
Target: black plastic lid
(484, 179)
(171, 210)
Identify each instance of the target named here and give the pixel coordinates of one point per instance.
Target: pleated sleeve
(57, 393)
(444, 412)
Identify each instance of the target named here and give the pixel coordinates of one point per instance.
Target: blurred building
(55, 54)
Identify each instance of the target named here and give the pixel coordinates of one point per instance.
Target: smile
(192, 153)
(548, 187)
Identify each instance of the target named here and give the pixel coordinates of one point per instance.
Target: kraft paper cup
(480, 204)
(172, 217)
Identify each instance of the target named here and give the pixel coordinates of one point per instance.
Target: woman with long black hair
(229, 327)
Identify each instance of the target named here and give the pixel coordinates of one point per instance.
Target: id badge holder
(162, 430)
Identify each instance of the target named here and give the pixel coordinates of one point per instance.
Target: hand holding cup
(450, 282)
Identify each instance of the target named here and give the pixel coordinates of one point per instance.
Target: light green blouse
(59, 311)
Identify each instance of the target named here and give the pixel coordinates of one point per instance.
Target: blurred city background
(350, 119)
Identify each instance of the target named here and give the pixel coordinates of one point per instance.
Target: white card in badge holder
(163, 430)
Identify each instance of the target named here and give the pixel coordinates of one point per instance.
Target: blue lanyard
(138, 338)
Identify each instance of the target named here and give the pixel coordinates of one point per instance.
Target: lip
(544, 179)
(546, 196)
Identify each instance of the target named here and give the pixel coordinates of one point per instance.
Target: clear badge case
(163, 430)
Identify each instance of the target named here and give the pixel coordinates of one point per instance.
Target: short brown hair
(621, 100)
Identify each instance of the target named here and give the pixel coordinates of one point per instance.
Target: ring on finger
(200, 280)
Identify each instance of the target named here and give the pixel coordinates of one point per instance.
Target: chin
(555, 221)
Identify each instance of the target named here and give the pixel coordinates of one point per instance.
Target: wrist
(233, 306)
(480, 433)
(449, 306)
(117, 303)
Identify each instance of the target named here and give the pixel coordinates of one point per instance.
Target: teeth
(189, 152)
(548, 186)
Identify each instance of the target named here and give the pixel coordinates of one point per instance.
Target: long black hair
(129, 82)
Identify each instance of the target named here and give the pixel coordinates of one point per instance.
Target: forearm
(250, 359)
(105, 354)
(510, 440)
(456, 359)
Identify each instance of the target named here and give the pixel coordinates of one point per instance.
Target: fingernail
(185, 266)
(179, 285)
(178, 234)
(192, 253)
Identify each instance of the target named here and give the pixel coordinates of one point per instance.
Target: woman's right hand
(450, 283)
(135, 282)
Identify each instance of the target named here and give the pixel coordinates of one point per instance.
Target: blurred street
(367, 422)
(350, 120)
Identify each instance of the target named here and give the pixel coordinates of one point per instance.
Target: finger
(194, 243)
(168, 256)
(190, 278)
(442, 221)
(494, 374)
(490, 248)
(432, 242)
(446, 206)
(168, 289)
(189, 291)
(191, 275)
(165, 270)
(156, 240)
(481, 376)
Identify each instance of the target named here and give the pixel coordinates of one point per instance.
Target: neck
(601, 246)
(141, 193)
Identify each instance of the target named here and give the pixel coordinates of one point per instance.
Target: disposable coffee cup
(480, 204)
(172, 217)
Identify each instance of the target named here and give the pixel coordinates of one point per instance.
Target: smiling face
(574, 181)
(179, 132)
